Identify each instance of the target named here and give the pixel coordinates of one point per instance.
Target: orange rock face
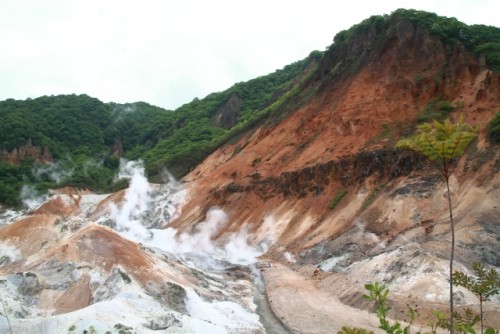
(37, 153)
(358, 113)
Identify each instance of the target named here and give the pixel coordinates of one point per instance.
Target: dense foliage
(79, 131)
(82, 132)
(480, 39)
(61, 123)
(12, 178)
(193, 132)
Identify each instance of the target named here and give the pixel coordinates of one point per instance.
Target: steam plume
(139, 203)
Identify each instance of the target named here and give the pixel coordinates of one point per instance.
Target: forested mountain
(300, 170)
(86, 136)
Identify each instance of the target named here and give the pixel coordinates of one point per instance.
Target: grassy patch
(354, 330)
(373, 195)
(436, 109)
(494, 128)
(336, 200)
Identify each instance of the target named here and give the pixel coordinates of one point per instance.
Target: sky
(168, 52)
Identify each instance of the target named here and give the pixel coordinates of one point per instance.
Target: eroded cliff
(279, 179)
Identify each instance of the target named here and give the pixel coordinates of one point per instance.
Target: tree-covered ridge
(70, 125)
(62, 123)
(192, 132)
(82, 133)
(480, 39)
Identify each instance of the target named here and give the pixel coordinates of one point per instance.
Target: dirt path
(305, 309)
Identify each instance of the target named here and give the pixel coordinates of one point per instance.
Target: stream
(268, 319)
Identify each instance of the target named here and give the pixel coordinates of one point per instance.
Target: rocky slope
(278, 180)
(87, 263)
(176, 257)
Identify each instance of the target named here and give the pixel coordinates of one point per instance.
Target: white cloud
(168, 52)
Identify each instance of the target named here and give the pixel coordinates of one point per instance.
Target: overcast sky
(167, 52)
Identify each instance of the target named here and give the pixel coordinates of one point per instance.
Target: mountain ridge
(364, 110)
(279, 180)
(164, 138)
(308, 183)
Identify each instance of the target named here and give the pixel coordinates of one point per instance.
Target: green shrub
(436, 109)
(354, 330)
(463, 322)
(494, 128)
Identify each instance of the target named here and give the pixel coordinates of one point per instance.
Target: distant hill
(86, 136)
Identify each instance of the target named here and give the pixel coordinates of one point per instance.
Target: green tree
(484, 285)
(443, 143)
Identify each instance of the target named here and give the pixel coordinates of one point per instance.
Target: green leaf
(441, 142)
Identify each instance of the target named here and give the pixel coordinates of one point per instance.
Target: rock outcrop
(226, 116)
(27, 151)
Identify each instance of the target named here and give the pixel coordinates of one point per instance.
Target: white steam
(53, 171)
(91, 163)
(238, 250)
(128, 216)
(9, 252)
(369, 235)
(289, 257)
(142, 200)
(234, 249)
(200, 241)
(8, 216)
(31, 198)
